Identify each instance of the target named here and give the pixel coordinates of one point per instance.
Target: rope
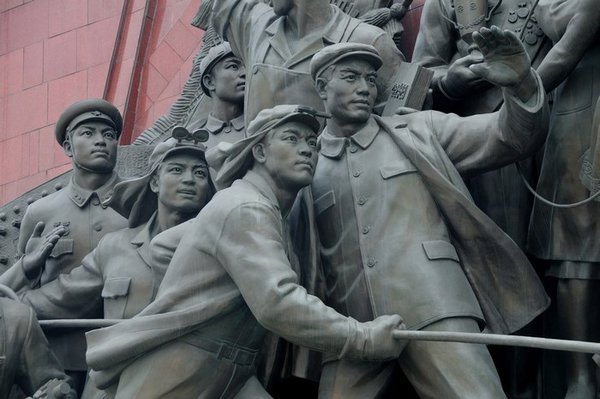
(548, 202)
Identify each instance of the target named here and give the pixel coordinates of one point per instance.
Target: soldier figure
(223, 79)
(231, 278)
(399, 232)
(118, 274)
(88, 131)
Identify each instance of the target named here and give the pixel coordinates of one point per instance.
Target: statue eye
(110, 134)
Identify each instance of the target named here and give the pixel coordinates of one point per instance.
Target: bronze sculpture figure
(401, 235)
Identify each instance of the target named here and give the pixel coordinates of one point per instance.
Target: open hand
(39, 248)
(505, 62)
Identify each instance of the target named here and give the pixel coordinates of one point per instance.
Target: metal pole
(500, 339)
(440, 336)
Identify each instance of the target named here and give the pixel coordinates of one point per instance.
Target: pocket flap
(440, 250)
(397, 168)
(62, 247)
(115, 287)
(325, 201)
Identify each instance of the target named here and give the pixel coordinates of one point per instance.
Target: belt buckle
(227, 352)
(235, 355)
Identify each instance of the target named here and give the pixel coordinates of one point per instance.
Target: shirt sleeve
(252, 249)
(435, 47)
(240, 22)
(479, 143)
(72, 295)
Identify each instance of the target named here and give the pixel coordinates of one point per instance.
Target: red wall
(135, 53)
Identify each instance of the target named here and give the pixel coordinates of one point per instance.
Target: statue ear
(208, 82)
(258, 152)
(154, 182)
(320, 85)
(67, 148)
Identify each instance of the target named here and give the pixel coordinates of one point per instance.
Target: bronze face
(93, 146)
(290, 154)
(351, 91)
(182, 183)
(228, 80)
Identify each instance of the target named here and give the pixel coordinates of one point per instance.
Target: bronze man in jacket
(399, 231)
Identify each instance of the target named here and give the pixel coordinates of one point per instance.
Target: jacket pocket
(397, 168)
(440, 250)
(64, 246)
(324, 202)
(114, 294)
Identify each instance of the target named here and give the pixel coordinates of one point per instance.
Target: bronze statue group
(292, 232)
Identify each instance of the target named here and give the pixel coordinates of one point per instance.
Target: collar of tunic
(333, 146)
(80, 196)
(145, 234)
(216, 126)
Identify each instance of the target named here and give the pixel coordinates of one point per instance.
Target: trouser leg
(349, 379)
(451, 369)
(435, 369)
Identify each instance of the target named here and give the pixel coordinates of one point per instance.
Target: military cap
(330, 55)
(134, 199)
(85, 110)
(232, 160)
(215, 54)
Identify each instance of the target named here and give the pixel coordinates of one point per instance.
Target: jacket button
(361, 201)
(95, 202)
(366, 229)
(255, 69)
(353, 149)
(356, 173)
(98, 227)
(371, 262)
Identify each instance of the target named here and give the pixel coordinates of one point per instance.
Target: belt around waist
(223, 350)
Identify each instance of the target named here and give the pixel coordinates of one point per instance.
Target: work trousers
(435, 369)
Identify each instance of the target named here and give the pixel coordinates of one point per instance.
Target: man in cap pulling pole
(119, 274)
(57, 231)
(399, 231)
(231, 278)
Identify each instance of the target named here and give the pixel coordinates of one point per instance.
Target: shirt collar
(80, 196)
(144, 236)
(333, 146)
(215, 125)
(257, 181)
(332, 33)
